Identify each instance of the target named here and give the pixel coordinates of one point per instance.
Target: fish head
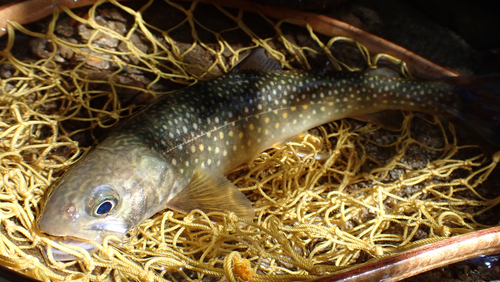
(91, 215)
(105, 194)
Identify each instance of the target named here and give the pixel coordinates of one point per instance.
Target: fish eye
(104, 207)
(102, 201)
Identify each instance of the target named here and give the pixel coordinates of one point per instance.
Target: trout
(176, 153)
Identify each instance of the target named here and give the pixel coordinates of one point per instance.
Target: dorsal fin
(257, 61)
(211, 191)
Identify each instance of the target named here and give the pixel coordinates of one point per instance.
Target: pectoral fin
(210, 191)
(390, 120)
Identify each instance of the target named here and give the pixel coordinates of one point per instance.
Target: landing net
(369, 192)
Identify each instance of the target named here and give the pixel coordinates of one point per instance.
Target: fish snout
(59, 222)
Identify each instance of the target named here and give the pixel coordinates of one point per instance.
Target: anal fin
(390, 120)
(210, 191)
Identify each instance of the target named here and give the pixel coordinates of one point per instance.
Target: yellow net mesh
(375, 193)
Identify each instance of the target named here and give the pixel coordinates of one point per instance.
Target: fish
(175, 154)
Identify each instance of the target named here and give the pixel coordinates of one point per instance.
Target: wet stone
(95, 61)
(65, 52)
(137, 42)
(6, 71)
(64, 28)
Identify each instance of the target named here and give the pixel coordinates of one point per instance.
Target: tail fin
(480, 111)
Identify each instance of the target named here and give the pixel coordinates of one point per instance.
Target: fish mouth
(95, 232)
(60, 255)
(116, 228)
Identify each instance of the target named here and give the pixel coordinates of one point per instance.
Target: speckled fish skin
(223, 123)
(207, 130)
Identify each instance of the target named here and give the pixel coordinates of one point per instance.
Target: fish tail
(479, 110)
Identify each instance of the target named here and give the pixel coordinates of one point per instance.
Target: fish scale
(176, 152)
(254, 111)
